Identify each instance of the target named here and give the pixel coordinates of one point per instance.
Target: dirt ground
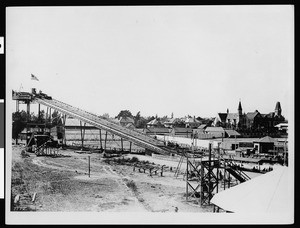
(63, 184)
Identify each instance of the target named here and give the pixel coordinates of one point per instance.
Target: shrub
(134, 159)
(131, 185)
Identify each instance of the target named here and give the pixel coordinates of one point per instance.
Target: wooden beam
(82, 133)
(187, 183)
(100, 139)
(105, 140)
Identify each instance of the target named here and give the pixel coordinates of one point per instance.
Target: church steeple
(278, 109)
(240, 110)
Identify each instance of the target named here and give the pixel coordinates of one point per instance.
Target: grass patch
(125, 160)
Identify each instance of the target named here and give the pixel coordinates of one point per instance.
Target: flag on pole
(34, 77)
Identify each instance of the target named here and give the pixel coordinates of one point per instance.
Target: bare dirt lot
(63, 184)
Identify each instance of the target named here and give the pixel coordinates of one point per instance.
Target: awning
(268, 193)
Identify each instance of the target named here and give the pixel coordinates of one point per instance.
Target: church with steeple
(231, 120)
(235, 120)
(251, 120)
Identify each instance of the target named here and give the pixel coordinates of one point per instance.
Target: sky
(185, 60)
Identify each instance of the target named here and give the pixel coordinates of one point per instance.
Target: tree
(105, 116)
(124, 113)
(19, 124)
(199, 118)
(164, 119)
(33, 118)
(56, 119)
(141, 123)
(42, 116)
(137, 117)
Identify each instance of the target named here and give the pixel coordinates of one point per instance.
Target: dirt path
(63, 184)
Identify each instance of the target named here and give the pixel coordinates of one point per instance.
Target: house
(191, 122)
(220, 120)
(254, 120)
(173, 122)
(154, 123)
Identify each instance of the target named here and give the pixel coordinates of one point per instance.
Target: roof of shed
(214, 129)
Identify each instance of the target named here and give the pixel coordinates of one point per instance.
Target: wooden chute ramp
(134, 136)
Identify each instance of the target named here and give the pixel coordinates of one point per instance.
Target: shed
(157, 131)
(216, 132)
(232, 133)
(263, 145)
(181, 131)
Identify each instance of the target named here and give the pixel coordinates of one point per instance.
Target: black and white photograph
(150, 114)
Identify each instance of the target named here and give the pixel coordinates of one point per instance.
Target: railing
(230, 165)
(107, 121)
(134, 136)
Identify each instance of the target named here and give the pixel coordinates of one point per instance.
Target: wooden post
(39, 110)
(33, 197)
(64, 129)
(89, 165)
(100, 139)
(28, 108)
(47, 115)
(201, 182)
(122, 144)
(17, 105)
(28, 116)
(209, 172)
(105, 140)
(224, 177)
(187, 171)
(81, 134)
(217, 178)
